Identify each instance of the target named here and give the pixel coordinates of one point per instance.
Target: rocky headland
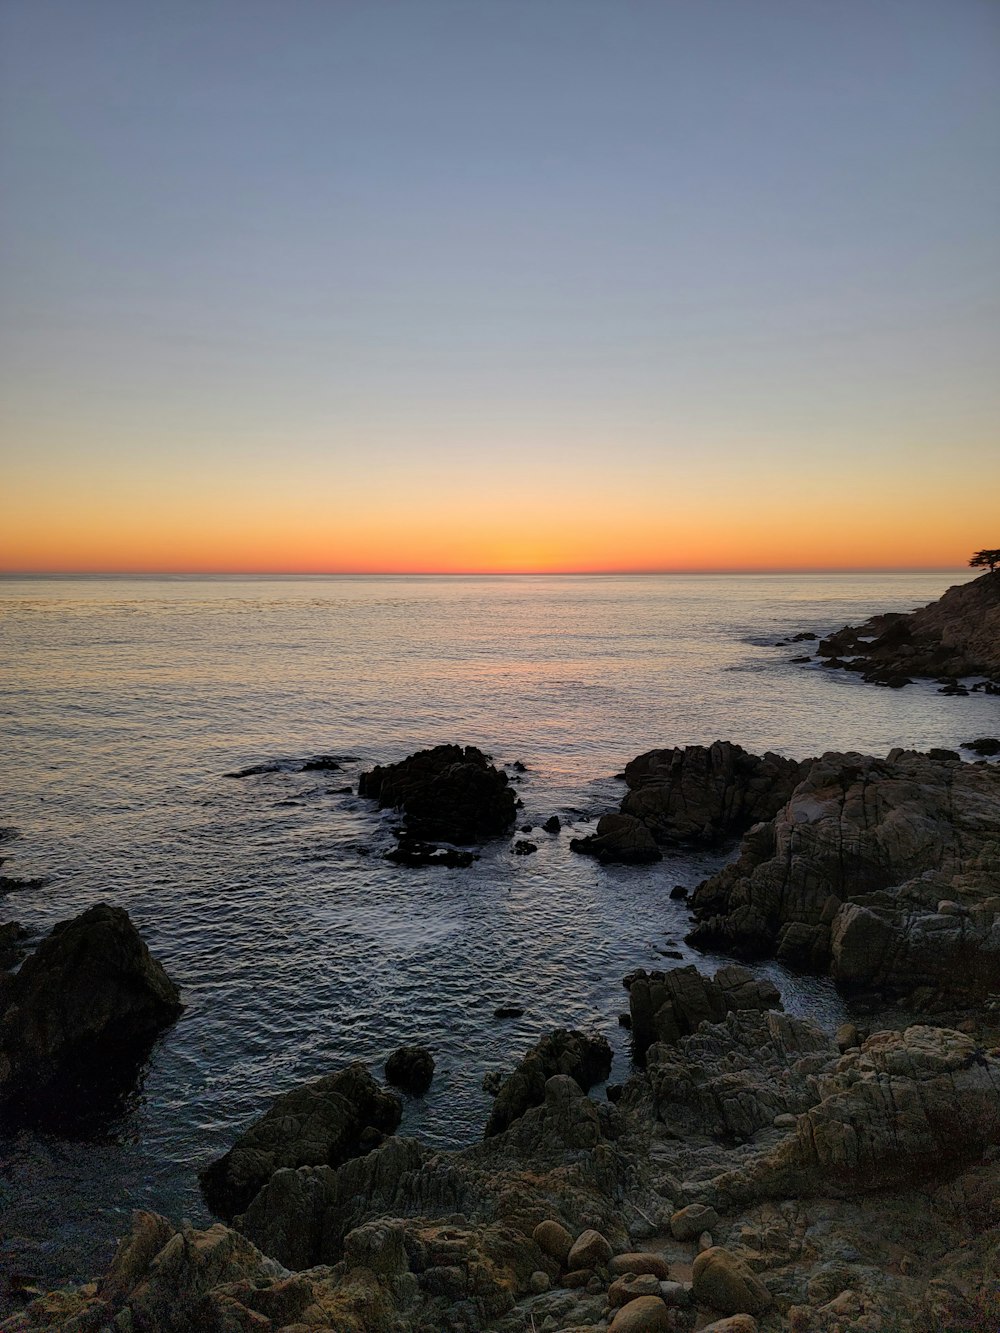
(956, 637)
(753, 1173)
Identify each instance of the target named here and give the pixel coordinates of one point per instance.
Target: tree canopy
(983, 558)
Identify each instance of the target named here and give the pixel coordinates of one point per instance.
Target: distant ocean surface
(124, 704)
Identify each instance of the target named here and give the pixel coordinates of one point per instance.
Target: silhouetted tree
(983, 558)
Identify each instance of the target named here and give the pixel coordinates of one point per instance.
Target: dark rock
(678, 893)
(666, 1006)
(320, 1123)
(586, 1059)
(524, 848)
(410, 1068)
(703, 794)
(552, 824)
(805, 636)
(90, 999)
(527, 828)
(797, 661)
(508, 1011)
(947, 756)
(412, 852)
(322, 763)
(986, 746)
(342, 791)
(447, 793)
(12, 937)
(619, 838)
(519, 767)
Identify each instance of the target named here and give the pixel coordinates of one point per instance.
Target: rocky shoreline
(752, 1173)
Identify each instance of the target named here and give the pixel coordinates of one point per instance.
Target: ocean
(125, 704)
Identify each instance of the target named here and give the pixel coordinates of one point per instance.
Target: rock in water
(410, 1068)
(665, 1006)
(86, 1004)
(586, 1059)
(446, 793)
(621, 839)
(323, 1123)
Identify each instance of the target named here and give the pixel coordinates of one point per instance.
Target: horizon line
(473, 573)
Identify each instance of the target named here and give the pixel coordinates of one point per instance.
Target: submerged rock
(619, 838)
(88, 1002)
(446, 793)
(327, 1121)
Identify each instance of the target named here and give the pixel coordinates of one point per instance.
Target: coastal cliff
(956, 636)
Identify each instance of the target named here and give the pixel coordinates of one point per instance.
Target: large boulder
(324, 1122)
(446, 793)
(621, 839)
(665, 1006)
(85, 1005)
(885, 872)
(904, 1107)
(584, 1058)
(410, 1068)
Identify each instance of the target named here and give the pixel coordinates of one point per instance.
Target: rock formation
(326, 1121)
(586, 1059)
(958, 635)
(447, 794)
(884, 872)
(665, 1006)
(87, 1003)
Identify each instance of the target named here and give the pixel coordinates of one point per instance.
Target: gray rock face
(665, 1006)
(905, 1106)
(585, 1058)
(703, 794)
(90, 997)
(850, 875)
(324, 1122)
(447, 793)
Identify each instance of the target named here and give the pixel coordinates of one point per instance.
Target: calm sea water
(125, 703)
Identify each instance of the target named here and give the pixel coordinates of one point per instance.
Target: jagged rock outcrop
(705, 793)
(886, 872)
(327, 1121)
(446, 793)
(730, 1079)
(585, 1058)
(559, 1159)
(665, 1006)
(958, 635)
(88, 1001)
(905, 1106)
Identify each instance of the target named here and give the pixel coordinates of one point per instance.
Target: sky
(498, 285)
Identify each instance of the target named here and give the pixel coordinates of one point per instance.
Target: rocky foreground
(754, 1173)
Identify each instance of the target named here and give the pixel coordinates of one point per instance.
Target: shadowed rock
(446, 793)
(324, 1122)
(84, 1006)
(665, 1006)
(586, 1059)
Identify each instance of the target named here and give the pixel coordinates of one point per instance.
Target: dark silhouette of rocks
(619, 838)
(412, 852)
(552, 824)
(410, 1068)
(324, 1122)
(446, 794)
(958, 635)
(985, 747)
(85, 1005)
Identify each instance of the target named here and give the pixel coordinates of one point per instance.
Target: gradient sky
(338, 285)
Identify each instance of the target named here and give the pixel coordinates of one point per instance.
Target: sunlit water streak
(125, 702)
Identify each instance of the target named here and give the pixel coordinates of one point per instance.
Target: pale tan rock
(590, 1250)
(640, 1262)
(553, 1239)
(724, 1283)
(647, 1314)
